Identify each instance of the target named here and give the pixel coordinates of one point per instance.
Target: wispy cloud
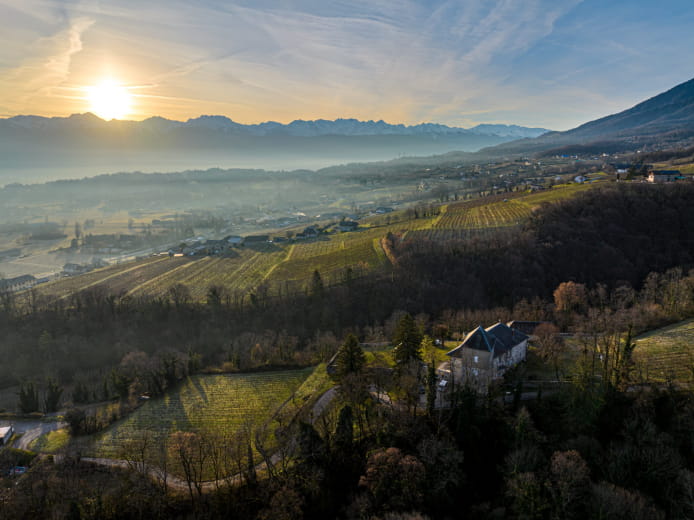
(46, 65)
(401, 60)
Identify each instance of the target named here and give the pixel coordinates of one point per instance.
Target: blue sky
(550, 63)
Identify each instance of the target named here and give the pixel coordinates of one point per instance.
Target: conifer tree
(407, 341)
(350, 357)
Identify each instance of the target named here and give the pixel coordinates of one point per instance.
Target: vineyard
(116, 277)
(207, 404)
(360, 255)
(291, 266)
(498, 214)
(666, 354)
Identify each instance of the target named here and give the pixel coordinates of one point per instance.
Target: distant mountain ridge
(297, 128)
(665, 120)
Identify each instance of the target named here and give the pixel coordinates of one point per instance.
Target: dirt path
(322, 403)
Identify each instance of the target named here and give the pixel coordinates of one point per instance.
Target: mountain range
(297, 128)
(36, 148)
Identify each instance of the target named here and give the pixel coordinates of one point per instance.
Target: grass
(666, 354)
(52, 442)
(212, 404)
(309, 392)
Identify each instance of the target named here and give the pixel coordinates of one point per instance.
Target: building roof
(496, 339)
(526, 327)
(665, 172)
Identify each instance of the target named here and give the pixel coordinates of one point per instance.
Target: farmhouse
(658, 176)
(5, 434)
(485, 354)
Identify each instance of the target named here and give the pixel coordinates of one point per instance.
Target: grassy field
(52, 442)
(667, 354)
(212, 404)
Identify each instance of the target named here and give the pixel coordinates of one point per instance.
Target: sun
(109, 100)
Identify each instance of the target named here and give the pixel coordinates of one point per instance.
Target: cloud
(536, 62)
(46, 65)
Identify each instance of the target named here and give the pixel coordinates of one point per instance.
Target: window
(476, 359)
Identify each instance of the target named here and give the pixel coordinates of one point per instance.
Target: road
(30, 430)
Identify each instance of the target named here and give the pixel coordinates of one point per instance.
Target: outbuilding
(6, 434)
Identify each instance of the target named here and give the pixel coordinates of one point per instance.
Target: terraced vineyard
(667, 354)
(210, 404)
(498, 214)
(361, 254)
(553, 195)
(115, 278)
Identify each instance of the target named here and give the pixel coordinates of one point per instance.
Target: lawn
(667, 354)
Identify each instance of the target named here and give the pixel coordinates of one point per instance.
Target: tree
(570, 297)
(51, 400)
(569, 484)
(317, 288)
(394, 479)
(407, 340)
(28, 398)
(431, 387)
(350, 357)
(550, 346)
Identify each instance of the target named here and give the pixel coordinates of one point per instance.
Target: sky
(545, 63)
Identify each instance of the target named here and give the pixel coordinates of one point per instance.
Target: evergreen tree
(28, 398)
(350, 357)
(52, 398)
(407, 341)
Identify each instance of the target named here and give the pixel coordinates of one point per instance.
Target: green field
(210, 404)
(667, 354)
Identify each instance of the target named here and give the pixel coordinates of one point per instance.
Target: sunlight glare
(109, 100)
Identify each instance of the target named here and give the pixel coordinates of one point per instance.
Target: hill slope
(665, 120)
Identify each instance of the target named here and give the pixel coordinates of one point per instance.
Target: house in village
(19, 283)
(256, 239)
(485, 355)
(345, 226)
(5, 434)
(660, 176)
(234, 240)
(71, 269)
